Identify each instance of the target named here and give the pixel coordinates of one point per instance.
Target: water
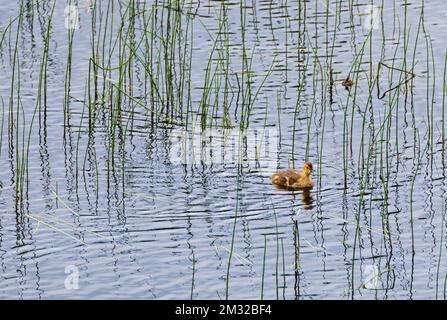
(147, 225)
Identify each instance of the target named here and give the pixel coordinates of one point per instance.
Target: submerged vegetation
(356, 87)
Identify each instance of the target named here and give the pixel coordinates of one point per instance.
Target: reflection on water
(115, 183)
(307, 199)
(305, 195)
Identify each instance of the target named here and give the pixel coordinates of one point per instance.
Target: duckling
(347, 83)
(294, 179)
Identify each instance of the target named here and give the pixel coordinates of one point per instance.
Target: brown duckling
(294, 179)
(347, 83)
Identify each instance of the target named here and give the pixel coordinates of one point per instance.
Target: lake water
(99, 200)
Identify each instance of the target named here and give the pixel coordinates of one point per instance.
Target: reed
(263, 267)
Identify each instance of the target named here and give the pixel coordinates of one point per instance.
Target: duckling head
(307, 169)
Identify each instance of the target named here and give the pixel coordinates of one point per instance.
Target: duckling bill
(294, 179)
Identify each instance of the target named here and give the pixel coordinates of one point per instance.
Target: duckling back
(286, 178)
(292, 179)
